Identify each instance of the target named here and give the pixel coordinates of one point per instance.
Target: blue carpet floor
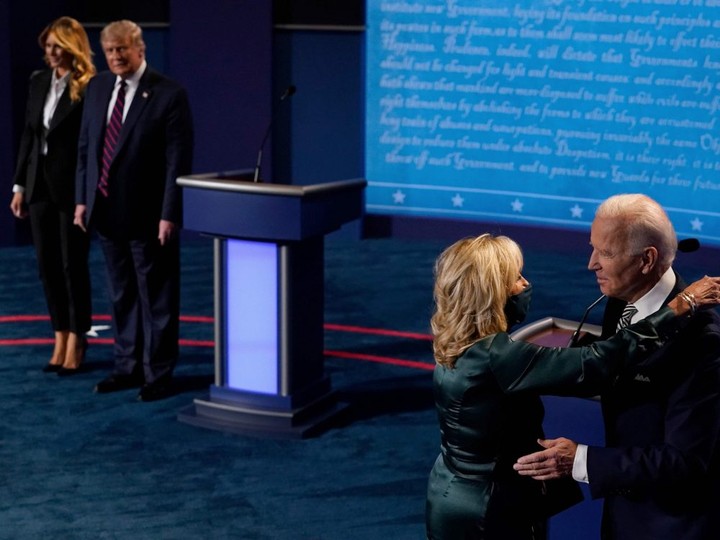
(76, 465)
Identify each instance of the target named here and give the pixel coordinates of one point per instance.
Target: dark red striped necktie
(112, 136)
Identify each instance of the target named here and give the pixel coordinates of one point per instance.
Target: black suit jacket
(62, 139)
(155, 147)
(659, 471)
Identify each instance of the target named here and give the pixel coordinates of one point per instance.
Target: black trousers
(144, 286)
(62, 255)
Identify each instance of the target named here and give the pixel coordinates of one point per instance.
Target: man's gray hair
(644, 223)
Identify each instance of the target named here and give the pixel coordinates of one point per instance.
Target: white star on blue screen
(696, 224)
(398, 197)
(457, 201)
(517, 206)
(576, 211)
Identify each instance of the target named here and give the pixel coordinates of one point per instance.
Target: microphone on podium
(289, 91)
(576, 333)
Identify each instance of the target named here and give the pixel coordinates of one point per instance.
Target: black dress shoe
(52, 368)
(154, 391)
(113, 383)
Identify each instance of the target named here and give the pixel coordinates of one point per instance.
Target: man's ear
(649, 259)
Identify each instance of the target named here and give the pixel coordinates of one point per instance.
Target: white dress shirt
(57, 87)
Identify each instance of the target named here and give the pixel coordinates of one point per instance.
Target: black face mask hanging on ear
(517, 306)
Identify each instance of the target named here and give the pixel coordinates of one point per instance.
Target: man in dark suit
(659, 473)
(135, 140)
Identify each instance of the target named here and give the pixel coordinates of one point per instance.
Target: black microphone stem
(257, 165)
(288, 92)
(573, 338)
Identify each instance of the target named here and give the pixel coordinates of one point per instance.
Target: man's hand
(556, 461)
(17, 206)
(166, 231)
(79, 216)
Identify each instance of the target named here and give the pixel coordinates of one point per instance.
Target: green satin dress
(490, 413)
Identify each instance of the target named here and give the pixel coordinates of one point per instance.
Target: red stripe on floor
(209, 343)
(376, 331)
(381, 359)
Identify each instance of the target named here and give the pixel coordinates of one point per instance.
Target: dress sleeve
(520, 366)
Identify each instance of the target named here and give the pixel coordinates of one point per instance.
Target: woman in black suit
(44, 186)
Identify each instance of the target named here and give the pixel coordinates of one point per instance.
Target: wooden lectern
(269, 300)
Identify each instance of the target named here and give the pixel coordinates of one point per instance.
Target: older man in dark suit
(660, 470)
(136, 138)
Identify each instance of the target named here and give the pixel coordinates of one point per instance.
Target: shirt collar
(60, 83)
(655, 297)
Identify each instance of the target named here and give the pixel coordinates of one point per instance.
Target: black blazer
(659, 471)
(62, 140)
(155, 147)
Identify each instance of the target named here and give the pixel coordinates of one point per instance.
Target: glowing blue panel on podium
(252, 314)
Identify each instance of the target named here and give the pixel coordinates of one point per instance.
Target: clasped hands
(556, 461)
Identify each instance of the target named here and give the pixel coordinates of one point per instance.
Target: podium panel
(269, 300)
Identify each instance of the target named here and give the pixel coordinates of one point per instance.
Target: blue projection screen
(533, 112)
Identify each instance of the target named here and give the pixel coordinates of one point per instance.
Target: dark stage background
(235, 58)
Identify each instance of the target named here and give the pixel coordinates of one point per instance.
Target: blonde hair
(121, 30)
(642, 222)
(73, 39)
(473, 280)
